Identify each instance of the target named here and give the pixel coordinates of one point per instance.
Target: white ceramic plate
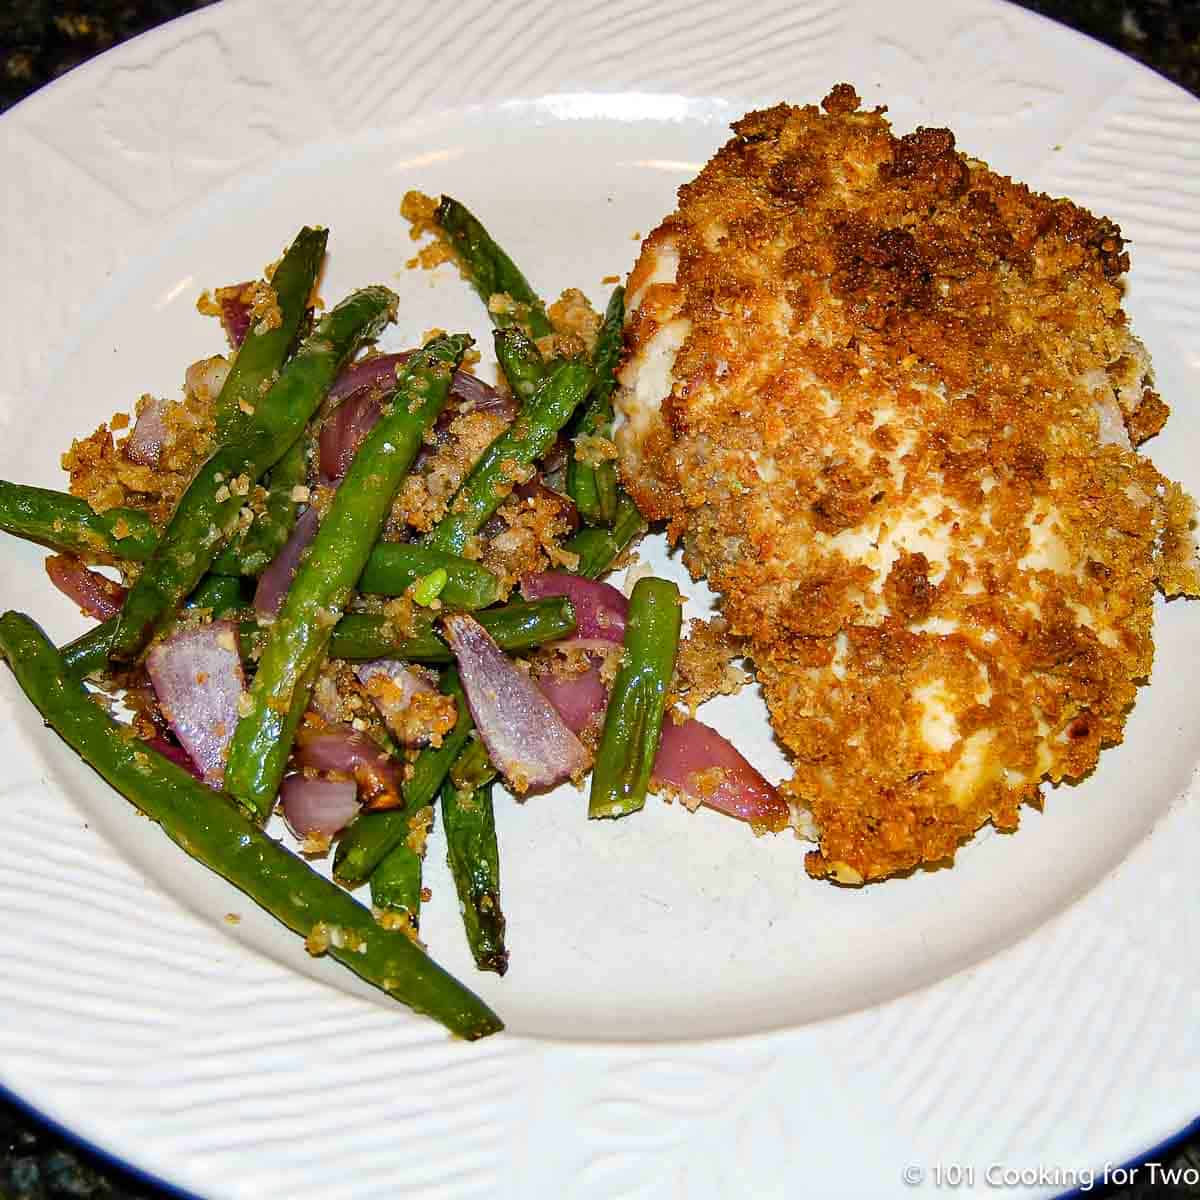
(688, 1014)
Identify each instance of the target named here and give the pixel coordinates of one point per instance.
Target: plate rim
(83, 78)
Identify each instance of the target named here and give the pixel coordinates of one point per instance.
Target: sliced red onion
(579, 699)
(177, 754)
(344, 750)
(144, 444)
(688, 750)
(235, 313)
(197, 677)
(274, 582)
(322, 806)
(96, 594)
(600, 609)
(344, 432)
(528, 741)
(392, 686)
(377, 373)
(476, 396)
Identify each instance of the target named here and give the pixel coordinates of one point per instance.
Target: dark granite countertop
(39, 41)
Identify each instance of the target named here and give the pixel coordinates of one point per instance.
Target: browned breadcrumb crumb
(232, 918)
(561, 345)
(208, 305)
(704, 665)
(611, 665)
(398, 919)
(415, 718)
(336, 696)
(102, 474)
(594, 450)
(265, 313)
(431, 256)
(257, 295)
(319, 939)
(572, 315)
(427, 491)
(610, 279)
(419, 825)
(403, 615)
(533, 528)
(418, 210)
(315, 844)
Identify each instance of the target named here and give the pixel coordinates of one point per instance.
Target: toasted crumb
(419, 825)
(594, 450)
(102, 473)
(573, 315)
(418, 210)
(704, 665)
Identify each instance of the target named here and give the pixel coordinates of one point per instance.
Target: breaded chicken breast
(889, 401)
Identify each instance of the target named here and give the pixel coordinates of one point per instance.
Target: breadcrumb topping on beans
(888, 400)
(418, 210)
(102, 473)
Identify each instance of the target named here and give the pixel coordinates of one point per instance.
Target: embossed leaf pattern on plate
(696, 1124)
(973, 79)
(188, 114)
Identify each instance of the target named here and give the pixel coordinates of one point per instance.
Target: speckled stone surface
(40, 41)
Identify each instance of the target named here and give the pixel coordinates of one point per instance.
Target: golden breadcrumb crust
(886, 398)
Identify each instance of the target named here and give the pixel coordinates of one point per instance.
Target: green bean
(299, 638)
(266, 344)
(394, 566)
(212, 830)
(473, 768)
(218, 593)
(490, 270)
(252, 551)
(595, 489)
(358, 637)
(472, 853)
(470, 823)
(88, 653)
(520, 360)
(599, 548)
(429, 587)
(519, 446)
(633, 720)
(518, 626)
(65, 522)
(209, 507)
(396, 884)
